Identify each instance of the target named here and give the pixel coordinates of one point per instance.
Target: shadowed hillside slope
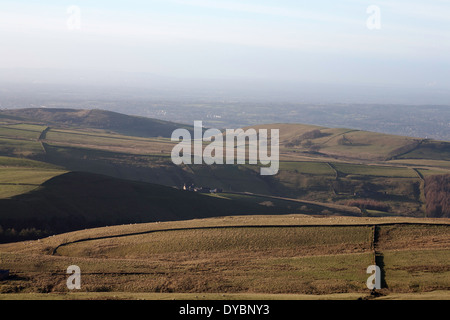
(325, 165)
(77, 200)
(98, 119)
(437, 193)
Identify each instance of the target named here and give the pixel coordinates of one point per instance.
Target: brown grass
(414, 237)
(315, 260)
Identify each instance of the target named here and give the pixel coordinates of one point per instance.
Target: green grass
(282, 206)
(27, 175)
(435, 150)
(20, 133)
(434, 171)
(7, 191)
(81, 137)
(417, 271)
(99, 119)
(271, 263)
(439, 164)
(26, 126)
(25, 163)
(98, 133)
(315, 168)
(14, 147)
(77, 200)
(19, 176)
(100, 150)
(285, 205)
(228, 177)
(372, 170)
(17, 181)
(315, 274)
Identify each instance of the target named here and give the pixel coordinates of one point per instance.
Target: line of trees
(437, 195)
(11, 234)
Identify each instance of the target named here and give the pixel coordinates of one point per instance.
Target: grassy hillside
(68, 174)
(77, 200)
(326, 165)
(98, 119)
(428, 149)
(298, 139)
(18, 176)
(267, 256)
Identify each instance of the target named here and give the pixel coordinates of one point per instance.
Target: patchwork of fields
(343, 200)
(350, 169)
(19, 176)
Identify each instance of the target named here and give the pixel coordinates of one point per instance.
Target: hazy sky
(323, 41)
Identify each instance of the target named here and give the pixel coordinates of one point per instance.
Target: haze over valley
(224, 150)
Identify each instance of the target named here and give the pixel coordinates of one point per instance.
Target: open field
(225, 240)
(27, 126)
(185, 296)
(14, 132)
(27, 175)
(76, 141)
(425, 163)
(371, 170)
(59, 201)
(20, 147)
(263, 257)
(10, 162)
(115, 142)
(434, 295)
(19, 176)
(96, 119)
(429, 149)
(341, 142)
(323, 171)
(308, 167)
(294, 205)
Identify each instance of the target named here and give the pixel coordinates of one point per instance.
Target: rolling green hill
(342, 200)
(96, 119)
(77, 200)
(358, 145)
(18, 176)
(322, 169)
